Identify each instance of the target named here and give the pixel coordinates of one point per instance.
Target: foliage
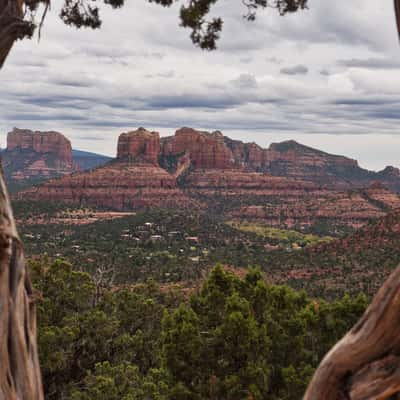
(178, 247)
(358, 262)
(153, 244)
(233, 339)
(193, 15)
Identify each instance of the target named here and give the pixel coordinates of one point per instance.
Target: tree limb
(364, 364)
(12, 26)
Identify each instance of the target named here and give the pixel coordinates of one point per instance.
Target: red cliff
(35, 156)
(41, 142)
(117, 185)
(205, 150)
(140, 145)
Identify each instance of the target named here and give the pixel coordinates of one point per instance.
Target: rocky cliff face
(205, 150)
(288, 159)
(31, 157)
(45, 143)
(140, 146)
(285, 185)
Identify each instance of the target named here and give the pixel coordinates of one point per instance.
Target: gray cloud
(167, 74)
(295, 70)
(90, 138)
(246, 81)
(192, 101)
(71, 82)
(371, 63)
(274, 60)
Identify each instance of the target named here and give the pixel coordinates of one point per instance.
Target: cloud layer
(328, 77)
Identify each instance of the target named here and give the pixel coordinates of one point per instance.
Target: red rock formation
(117, 185)
(294, 160)
(42, 143)
(390, 177)
(297, 208)
(249, 156)
(286, 185)
(36, 156)
(287, 159)
(206, 150)
(140, 145)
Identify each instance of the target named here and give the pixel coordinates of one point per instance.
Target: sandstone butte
(37, 155)
(287, 184)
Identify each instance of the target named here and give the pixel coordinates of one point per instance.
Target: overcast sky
(328, 77)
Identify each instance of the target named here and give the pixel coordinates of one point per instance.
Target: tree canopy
(205, 31)
(233, 339)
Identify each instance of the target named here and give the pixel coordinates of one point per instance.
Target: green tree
(120, 382)
(78, 334)
(245, 339)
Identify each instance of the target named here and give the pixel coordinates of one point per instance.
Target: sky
(328, 77)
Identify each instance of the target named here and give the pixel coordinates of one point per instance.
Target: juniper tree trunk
(12, 26)
(20, 377)
(365, 364)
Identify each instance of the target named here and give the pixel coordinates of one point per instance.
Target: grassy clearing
(281, 236)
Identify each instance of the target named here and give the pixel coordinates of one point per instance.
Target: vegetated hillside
(168, 246)
(180, 246)
(232, 339)
(287, 185)
(359, 262)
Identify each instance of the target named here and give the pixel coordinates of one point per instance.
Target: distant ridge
(88, 160)
(287, 185)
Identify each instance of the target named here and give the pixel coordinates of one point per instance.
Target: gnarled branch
(365, 363)
(12, 26)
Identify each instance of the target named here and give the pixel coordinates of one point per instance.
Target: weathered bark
(12, 26)
(20, 377)
(365, 363)
(397, 12)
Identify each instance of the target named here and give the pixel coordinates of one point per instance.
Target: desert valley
(188, 201)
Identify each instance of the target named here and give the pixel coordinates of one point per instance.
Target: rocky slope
(286, 185)
(358, 262)
(118, 185)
